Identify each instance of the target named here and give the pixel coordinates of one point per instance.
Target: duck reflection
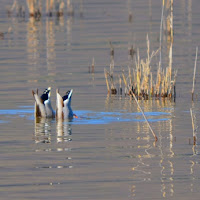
(43, 130)
(44, 133)
(64, 131)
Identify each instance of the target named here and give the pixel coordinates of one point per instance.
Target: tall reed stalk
(193, 127)
(154, 135)
(172, 23)
(106, 77)
(195, 66)
(161, 28)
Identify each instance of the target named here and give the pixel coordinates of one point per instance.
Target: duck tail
(39, 106)
(59, 105)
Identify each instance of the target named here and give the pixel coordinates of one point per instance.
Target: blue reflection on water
(94, 117)
(3, 121)
(15, 112)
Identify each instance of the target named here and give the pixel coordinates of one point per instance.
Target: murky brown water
(108, 152)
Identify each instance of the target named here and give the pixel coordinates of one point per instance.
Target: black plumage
(66, 96)
(45, 95)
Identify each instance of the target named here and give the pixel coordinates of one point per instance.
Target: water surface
(108, 152)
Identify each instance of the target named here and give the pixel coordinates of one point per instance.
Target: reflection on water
(195, 152)
(37, 49)
(33, 31)
(44, 135)
(127, 145)
(43, 130)
(64, 131)
(143, 151)
(69, 30)
(166, 162)
(50, 46)
(111, 146)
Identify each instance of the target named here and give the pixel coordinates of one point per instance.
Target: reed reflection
(136, 140)
(35, 30)
(69, 32)
(166, 140)
(50, 46)
(33, 41)
(194, 158)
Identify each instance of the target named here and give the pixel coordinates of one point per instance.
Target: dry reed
(109, 75)
(120, 85)
(155, 137)
(193, 127)
(140, 79)
(171, 21)
(107, 83)
(195, 66)
(91, 68)
(161, 28)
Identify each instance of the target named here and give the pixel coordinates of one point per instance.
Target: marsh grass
(141, 81)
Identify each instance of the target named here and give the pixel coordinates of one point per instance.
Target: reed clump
(141, 81)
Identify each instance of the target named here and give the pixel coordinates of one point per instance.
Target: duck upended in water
(43, 106)
(63, 106)
(44, 109)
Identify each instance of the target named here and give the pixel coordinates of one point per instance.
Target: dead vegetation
(140, 80)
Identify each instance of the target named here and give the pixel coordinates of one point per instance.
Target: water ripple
(94, 117)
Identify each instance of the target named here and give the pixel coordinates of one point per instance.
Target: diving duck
(43, 106)
(63, 106)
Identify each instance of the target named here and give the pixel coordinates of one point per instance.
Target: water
(108, 152)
